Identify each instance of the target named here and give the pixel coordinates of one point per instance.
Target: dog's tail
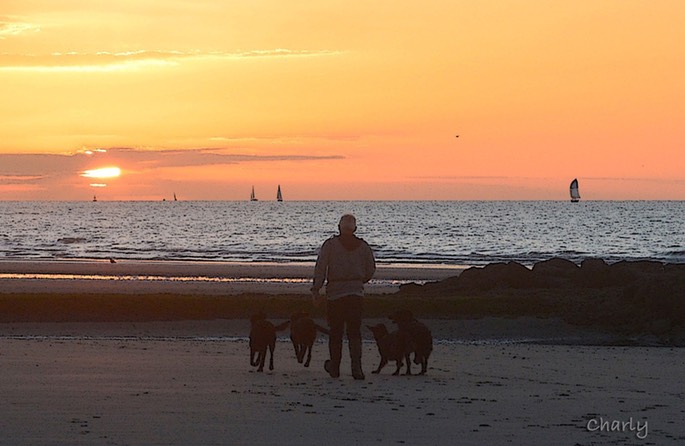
(282, 326)
(323, 330)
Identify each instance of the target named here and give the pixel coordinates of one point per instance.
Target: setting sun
(105, 172)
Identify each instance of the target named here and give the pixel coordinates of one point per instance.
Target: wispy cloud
(19, 179)
(116, 61)
(12, 27)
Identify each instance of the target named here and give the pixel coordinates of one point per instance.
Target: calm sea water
(421, 232)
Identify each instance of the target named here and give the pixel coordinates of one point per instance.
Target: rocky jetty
(634, 298)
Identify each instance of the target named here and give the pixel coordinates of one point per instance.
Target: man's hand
(316, 297)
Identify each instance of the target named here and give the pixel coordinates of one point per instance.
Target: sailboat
(575, 195)
(279, 195)
(252, 195)
(175, 199)
(95, 198)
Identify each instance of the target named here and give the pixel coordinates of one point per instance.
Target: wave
(460, 233)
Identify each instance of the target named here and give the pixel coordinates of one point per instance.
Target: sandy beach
(198, 390)
(178, 381)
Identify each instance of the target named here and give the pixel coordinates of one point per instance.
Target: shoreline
(182, 277)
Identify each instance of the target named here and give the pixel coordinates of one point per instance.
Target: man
(345, 263)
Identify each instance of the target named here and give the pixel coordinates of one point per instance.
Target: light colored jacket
(344, 267)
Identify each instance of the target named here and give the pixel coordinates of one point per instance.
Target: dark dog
(263, 336)
(303, 334)
(391, 347)
(416, 336)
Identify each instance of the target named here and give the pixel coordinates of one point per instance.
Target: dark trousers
(345, 313)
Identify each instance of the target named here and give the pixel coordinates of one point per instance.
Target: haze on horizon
(339, 100)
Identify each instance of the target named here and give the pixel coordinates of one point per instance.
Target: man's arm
(369, 265)
(320, 271)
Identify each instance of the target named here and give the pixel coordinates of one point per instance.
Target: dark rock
(594, 273)
(638, 299)
(556, 273)
(556, 265)
(442, 288)
(410, 288)
(496, 275)
(624, 272)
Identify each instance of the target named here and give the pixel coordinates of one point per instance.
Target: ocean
(469, 233)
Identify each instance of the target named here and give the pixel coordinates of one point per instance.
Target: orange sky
(342, 100)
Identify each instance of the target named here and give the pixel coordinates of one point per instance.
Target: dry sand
(190, 382)
(188, 389)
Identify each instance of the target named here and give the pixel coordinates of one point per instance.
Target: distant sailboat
(175, 199)
(95, 198)
(575, 195)
(253, 197)
(279, 195)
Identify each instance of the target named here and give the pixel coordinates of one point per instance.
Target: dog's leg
(296, 348)
(381, 365)
(408, 359)
(272, 346)
(260, 360)
(309, 355)
(303, 351)
(298, 352)
(399, 367)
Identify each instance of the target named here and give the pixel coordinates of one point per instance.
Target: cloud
(19, 179)
(38, 167)
(12, 27)
(198, 157)
(104, 61)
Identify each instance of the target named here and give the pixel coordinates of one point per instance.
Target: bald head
(348, 224)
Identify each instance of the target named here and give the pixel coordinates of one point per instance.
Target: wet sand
(205, 278)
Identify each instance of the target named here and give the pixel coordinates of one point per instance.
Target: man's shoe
(357, 372)
(333, 371)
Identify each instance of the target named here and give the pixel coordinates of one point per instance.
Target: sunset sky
(342, 100)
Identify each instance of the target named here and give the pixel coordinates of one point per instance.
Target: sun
(104, 172)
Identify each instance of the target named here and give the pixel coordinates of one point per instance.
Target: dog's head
(379, 330)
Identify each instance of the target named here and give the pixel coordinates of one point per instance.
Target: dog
(416, 336)
(303, 334)
(263, 336)
(390, 346)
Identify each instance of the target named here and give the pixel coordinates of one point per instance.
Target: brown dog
(416, 336)
(303, 334)
(391, 347)
(263, 336)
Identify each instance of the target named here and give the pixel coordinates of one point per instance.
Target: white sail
(575, 195)
(279, 195)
